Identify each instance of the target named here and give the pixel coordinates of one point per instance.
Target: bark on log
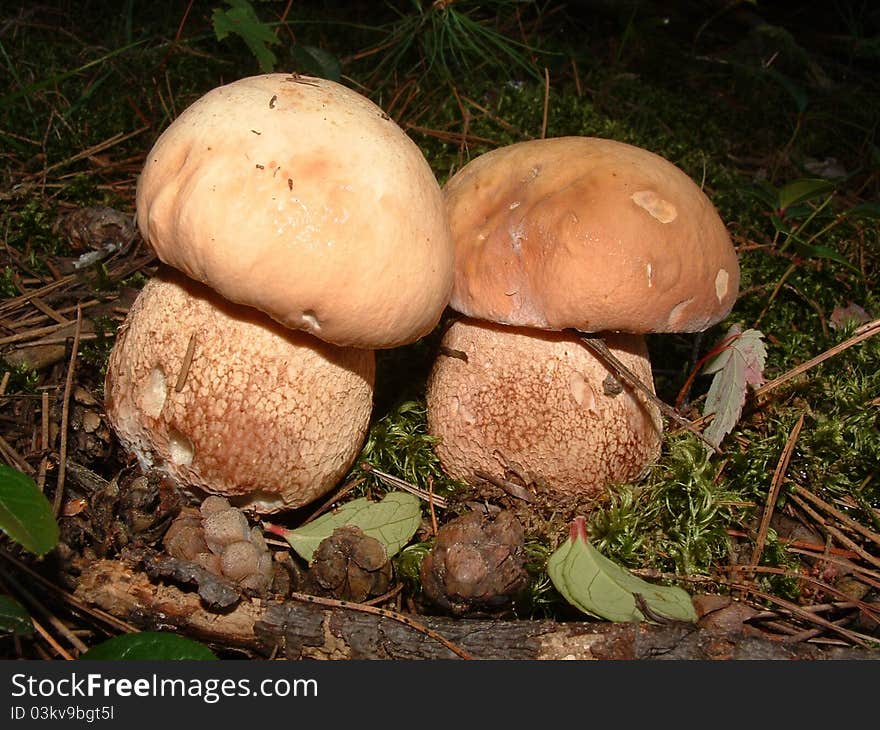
(298, 630)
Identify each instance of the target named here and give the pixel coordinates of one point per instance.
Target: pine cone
(477, 563)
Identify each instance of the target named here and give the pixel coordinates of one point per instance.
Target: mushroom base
(226, 401)
(539, 408)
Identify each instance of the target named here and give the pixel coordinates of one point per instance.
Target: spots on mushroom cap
(661, 209)
(722, 280)
(678, 315)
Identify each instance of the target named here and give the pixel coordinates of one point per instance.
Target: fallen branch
(300, 630)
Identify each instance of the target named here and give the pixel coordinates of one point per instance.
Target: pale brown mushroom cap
(590, 234)
(265, 416)
(537, 407)
(302, 198)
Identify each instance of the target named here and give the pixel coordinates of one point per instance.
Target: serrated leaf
(314, 61)
(14, 618)
(601, 588)
(740, 364)
(148, 645)
(25, 513)
(241, 20)
(393, 522)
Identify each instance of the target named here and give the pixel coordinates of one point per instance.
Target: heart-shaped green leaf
(393, 522)
(14, 618)
(601, 588)
(25, 513)
(149, 645)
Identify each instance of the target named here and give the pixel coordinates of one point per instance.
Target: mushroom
(299, 229)
(553, 235)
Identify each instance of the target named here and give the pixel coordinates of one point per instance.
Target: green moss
(22, 379)
(398, 443)
(677, 520)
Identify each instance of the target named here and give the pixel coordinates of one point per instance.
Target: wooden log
(299, 630)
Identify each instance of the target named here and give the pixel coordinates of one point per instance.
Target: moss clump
(399, 444)
(677, 520)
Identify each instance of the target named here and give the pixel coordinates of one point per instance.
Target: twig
(404, 485)
(95, 149)
(60, 650)
(869, 610)
(865, 575)
(11, 304)
(848, 521)
(37, 606)
(336, 496)
(107, 618)
(834, 532)
(384, 613)
(801, 613)
(511, 488)
(14, 458)
(775, 484)
(788, 272)
(456, 137)
(622, 372)
(498, 120)
(185, 365)
(434, 527)
(65, 415)
(546, 102)
(466, 126)
(864, 332)
(32, 334)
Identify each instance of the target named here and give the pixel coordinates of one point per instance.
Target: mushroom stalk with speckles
(539, 408)
(226, 401)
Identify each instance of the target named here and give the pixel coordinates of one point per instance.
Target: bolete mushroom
(309, 230)
(571, 233)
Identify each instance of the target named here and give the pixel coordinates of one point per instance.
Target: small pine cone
(247, 565)
(218, 538)
(477, 563)
(223, 526)
(185, 538)
(350, 565)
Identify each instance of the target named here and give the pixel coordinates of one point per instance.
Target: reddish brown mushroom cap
(591, 234)
(226, 401)
(302, 198)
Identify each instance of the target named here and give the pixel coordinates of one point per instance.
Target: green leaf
(393, 522)
(25, 513)
(149, 645)
(795, 91)
(601, 588)
(865, 210)
(809, 251)
(801, 190)
(314, 61)
(241, 20)
(14, 618)
(740, 364)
